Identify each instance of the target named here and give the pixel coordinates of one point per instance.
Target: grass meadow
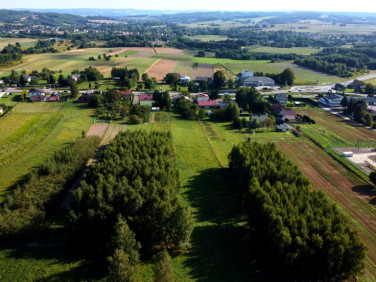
(34, 131)
(296, 50)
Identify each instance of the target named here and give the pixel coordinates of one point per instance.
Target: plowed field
(160, 68)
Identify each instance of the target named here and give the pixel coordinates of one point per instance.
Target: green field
(295, 50)
(79, 59)
(34, 131)
(303, 75)
(25, 42)
(142, 60)
(207, 38)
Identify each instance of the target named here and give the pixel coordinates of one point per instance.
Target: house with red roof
(202, 97)
(126, 94)
(207, 104)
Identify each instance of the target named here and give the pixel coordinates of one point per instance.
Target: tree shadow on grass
(366, 191)
(222, 247)
(42, 259)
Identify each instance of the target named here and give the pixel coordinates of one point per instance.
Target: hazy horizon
(196, 5)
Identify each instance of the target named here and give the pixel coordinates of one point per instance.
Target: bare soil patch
(97, 129)
(203, 70)
(172, 51)
(160, 68)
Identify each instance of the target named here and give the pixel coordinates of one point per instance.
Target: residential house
(256, 81)
(30, 77)
(276, 108)
(281, 98)
(289, 114)
(371, 101)
(35, 92)
(184, 79)
(202, 97)
(86, 97)
(38, 98)
(1, 110)
(340, 87)
(243, 75)
(145, 100)
(127, 94)
(356, 84)
(331, 100)
(76, 76)
(207, 104)
(55, 96)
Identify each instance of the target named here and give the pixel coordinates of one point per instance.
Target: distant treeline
(28, 209)
(247, 55)
(304, 235)
(341, 61)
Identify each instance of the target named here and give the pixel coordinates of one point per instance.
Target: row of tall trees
(250, 100)
(128, 77)
(28, 209)
(129, 201)
(357, 108)
(304, 235)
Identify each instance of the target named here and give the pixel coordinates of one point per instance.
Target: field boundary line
(152, 65)
(211, 145)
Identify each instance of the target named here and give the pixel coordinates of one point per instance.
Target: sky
(232, 5)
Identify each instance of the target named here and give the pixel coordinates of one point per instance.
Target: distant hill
(47, 19)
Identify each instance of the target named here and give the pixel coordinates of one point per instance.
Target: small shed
(348, 154)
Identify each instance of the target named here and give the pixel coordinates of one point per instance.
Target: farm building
(222, 104)
(331, 100)
(281, 98)
(289, 114)
(207, 104)
(256, 81)
(202, 97)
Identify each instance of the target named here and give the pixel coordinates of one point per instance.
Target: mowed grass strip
(218, 252)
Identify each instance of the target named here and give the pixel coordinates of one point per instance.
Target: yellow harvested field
(160, 68)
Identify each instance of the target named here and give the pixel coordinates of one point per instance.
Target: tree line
(304, 235)
(129, 204)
